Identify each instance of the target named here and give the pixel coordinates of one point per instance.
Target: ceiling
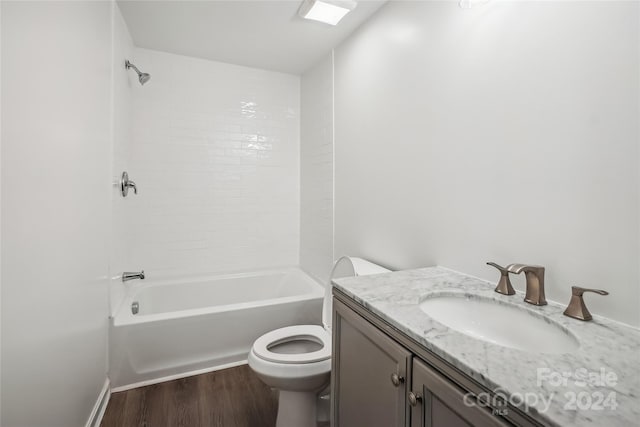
(264, 34)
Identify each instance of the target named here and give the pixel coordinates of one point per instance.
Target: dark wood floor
(229, 398)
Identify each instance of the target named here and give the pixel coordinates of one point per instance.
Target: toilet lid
(292, 333)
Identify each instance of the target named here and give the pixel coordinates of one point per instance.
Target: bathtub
(202, 324)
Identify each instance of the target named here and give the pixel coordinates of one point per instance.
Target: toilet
(296, 360)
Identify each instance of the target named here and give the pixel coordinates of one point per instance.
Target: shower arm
(128, 65)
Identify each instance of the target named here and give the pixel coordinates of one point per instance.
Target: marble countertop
(597, 385)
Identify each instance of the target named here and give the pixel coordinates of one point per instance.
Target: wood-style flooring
(232, 397)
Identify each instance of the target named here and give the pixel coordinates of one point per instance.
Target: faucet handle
(578, 291)
(126, 184)
(504, 284)
(576, 308)
(132, 184)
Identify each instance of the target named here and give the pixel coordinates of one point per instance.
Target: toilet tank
(346, 267)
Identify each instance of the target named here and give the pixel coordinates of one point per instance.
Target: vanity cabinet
(369, 372)
(379, 382)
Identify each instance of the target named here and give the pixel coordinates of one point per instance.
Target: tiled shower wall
(215, 153)
(316, 157)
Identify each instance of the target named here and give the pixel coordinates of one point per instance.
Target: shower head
(142, 77)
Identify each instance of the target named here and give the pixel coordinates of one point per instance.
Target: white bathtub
(202, 324)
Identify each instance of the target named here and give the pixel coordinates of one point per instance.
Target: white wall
(316, 170)
(123, 83)
(507, 133)
(56, 150)
(215, 154)
(0, 216)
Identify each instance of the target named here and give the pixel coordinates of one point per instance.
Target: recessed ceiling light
(327, 11)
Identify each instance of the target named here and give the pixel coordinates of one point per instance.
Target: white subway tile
(216, 160)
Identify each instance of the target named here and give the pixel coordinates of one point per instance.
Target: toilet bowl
(296, 360)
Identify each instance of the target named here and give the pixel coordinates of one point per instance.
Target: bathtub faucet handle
(126, 184)
(128, 275)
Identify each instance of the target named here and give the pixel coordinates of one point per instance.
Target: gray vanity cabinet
(369, 372)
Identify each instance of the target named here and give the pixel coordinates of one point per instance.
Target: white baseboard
(178, 376)
(101, 406)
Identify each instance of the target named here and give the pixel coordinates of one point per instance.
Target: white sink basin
(498, 323)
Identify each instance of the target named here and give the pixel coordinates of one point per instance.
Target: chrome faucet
(535, 282)
(128, 275)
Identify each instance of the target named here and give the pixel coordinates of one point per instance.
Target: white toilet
(296, 360)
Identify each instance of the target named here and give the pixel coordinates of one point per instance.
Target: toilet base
(297, 409)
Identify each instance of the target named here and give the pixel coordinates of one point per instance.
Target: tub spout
(127, 275)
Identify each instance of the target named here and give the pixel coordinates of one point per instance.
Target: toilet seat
(261, 347)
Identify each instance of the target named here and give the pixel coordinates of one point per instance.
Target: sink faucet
(127, 275)
(535, 282)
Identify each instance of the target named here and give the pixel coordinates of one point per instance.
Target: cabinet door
(369, 374)
(437, 402)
